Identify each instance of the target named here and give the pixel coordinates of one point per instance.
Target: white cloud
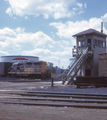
(104, 17)
(9, 11)
(57, 8)
(3, 53)
(34, 39)
(80, 5)
(7, 32)
(17, 39)
(46, 53)
(51, 56)
(61, 54)
(79, 9)
(39, 52)
(26, 18)
(19, 30)
(85, 5)
(70, 28)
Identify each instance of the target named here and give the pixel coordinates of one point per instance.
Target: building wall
(96, 51)
(102, 65)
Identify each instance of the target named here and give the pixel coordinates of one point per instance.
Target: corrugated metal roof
(18, 56)
(89, 31)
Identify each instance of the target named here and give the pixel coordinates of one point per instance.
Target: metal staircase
(74, 67)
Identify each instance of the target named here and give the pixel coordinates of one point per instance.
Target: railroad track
(19, 80)
(62, 95)
(56, 99)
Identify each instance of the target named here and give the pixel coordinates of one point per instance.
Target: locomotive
(27, 69)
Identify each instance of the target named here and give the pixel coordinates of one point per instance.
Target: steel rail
(66, 93)
(56, 105)
(62, 96)
(58, 99)
(20, 81)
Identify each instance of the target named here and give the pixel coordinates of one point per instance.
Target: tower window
(98, 43)
(79, 43)
(84, 43)
(101, 44)
(104, 44)
(95, 43)
(89, 42)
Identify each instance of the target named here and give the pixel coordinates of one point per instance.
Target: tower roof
(89, 31)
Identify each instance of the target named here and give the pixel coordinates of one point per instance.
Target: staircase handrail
(77, 69)
(85, 51)
(76, 62)
(70, 65)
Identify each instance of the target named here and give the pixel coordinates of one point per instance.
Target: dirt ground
(25, 112)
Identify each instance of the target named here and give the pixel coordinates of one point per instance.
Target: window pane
(95, 42)
(101, 44)
(104, 44)
(79, 43)
(84, 43)
(98, 43)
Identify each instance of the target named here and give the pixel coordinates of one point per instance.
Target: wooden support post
(52, 82)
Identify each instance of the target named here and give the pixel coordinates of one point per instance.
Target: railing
(76, 65)
(85, 52)
(79, 66)
(64, 75)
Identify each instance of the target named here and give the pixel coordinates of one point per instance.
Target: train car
(30, 69)
(4, 67)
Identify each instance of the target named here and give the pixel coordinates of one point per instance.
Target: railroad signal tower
(89, 44)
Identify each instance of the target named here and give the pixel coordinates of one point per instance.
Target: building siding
(102, 65)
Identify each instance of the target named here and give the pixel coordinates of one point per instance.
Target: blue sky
(44, 28)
